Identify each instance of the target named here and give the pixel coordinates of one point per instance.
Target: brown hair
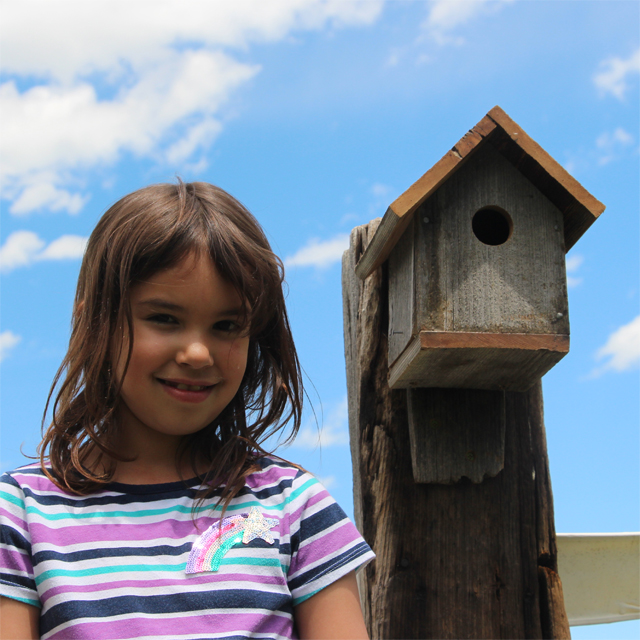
(146, 232)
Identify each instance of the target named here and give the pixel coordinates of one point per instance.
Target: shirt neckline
(163, 487)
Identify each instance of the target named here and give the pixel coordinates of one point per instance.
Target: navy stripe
(109, 500)
(96, 553)
(7, 479)
(331, 564)
(173, 603)
(318, 522)
(13, 538)
(13, 580)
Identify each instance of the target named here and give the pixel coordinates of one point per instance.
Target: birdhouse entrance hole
(492, 226)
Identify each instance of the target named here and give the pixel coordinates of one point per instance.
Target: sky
(317, 114)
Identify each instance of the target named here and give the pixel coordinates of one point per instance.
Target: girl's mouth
(189, 393)
(185, 387)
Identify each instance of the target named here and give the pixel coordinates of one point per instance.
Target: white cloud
(319, 254)
(609, 144)
(446, 15)
(51, 131)
(327, 481)
(155, 92)
(614, 74)
(19, 250)
(334, 430)
(65, 247)
(116, 36)
(23, 248)
(573, 263)
(8, 340)
(622, 348)
(380, 190)
(39, 193)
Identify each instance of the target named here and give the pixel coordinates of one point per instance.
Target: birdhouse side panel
(401, 294)
(493, 248)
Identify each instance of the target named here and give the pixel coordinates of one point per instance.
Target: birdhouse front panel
(477, 283)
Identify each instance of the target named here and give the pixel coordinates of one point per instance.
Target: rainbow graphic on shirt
(210, 547)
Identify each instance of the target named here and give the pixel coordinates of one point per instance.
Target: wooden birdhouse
(476, 263)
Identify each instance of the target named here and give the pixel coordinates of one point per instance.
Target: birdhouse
(476, 263)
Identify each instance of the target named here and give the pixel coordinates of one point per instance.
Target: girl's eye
(162, 318)
(228, 326)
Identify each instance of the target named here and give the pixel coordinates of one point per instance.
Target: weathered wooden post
(455, 305)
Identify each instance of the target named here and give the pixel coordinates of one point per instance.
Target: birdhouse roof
(579, 208)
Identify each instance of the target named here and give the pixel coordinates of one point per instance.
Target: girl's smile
(189, 355)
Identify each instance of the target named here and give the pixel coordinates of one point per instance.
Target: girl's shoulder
(272, 469)
(26, 475)
(277, 479)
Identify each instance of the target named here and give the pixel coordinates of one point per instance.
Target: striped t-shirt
(135, 561)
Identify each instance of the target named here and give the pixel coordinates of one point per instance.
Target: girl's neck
(155, 465)
(132, 473)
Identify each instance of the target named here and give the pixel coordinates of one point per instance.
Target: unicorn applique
(210, 547)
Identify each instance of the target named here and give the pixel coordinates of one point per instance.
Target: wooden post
(459, 560)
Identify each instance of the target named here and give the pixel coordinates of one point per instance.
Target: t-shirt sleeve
(16, 567)
(325, 544)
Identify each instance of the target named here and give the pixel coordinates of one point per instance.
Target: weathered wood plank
(473, 367)
(464, 340)
(446, 444)
(401, 295)
(554, 616)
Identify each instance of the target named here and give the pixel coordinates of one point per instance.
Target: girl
(156, 513)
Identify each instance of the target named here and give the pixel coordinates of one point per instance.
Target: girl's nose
(196, 354)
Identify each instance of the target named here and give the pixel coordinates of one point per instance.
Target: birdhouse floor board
(475, 360)
(524, 341)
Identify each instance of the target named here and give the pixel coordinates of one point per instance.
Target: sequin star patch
(211, 546)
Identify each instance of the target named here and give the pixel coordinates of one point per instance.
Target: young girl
(155, 512)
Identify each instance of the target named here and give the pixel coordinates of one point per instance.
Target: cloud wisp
(319, 254)
(157, 92)
(611, 145)
(445, 16)
(8, 340)
(23, 248)
(334, 430)
(614, 75)
(573, 263)
(622, 349)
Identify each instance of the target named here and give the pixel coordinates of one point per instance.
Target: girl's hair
(144, 233)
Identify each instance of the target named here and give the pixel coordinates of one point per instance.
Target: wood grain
(446, 445)
(525, 341)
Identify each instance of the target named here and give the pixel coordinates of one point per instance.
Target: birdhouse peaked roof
(579, 208)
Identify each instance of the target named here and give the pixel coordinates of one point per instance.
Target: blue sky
(316, 114)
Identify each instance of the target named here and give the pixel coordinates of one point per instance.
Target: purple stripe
(19, 522)
(41, 484)
(17, 561)
(339, 538)
(213, 579)
(112, 531)
(220, 623)
(315, 499)
(270, 476)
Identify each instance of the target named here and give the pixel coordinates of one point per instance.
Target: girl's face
(189, 353)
